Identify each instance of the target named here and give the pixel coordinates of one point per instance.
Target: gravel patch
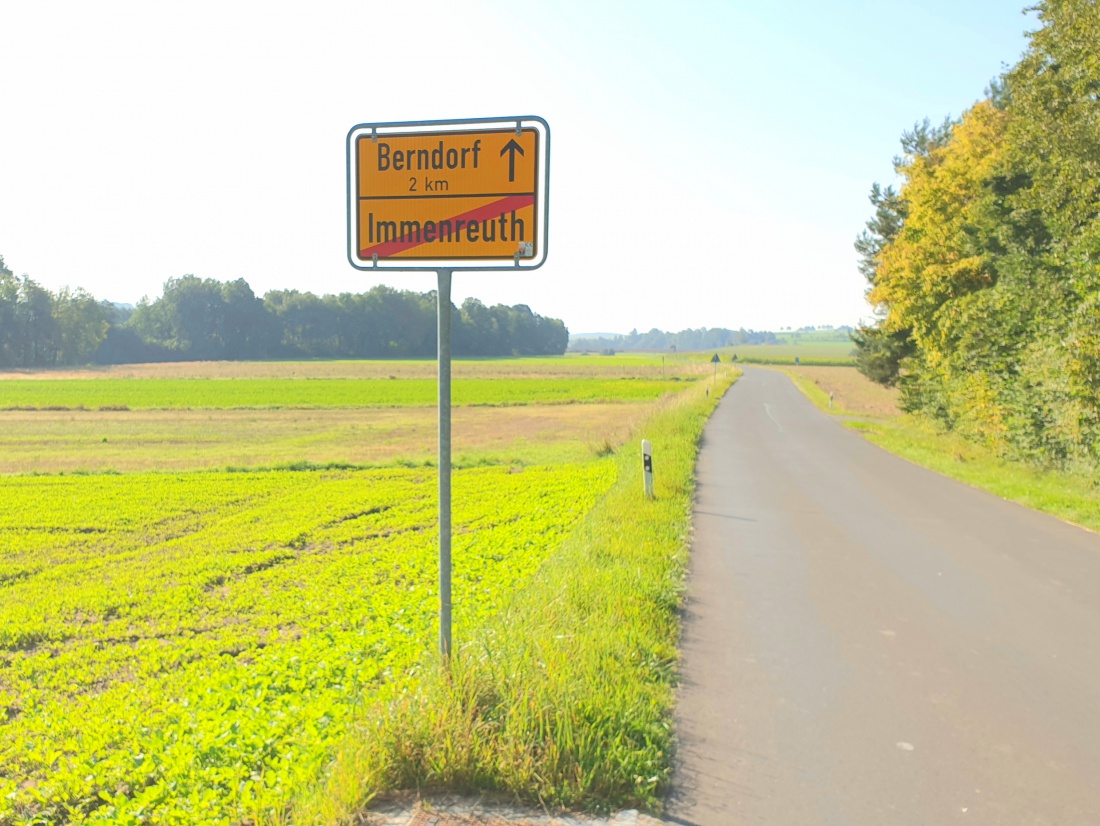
(481, 811)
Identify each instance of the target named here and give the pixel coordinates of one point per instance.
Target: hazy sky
(710, 161)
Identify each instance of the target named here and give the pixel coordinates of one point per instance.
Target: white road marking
(768, 410)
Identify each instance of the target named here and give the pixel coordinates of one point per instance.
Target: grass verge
(566, 697)
(1071, 497)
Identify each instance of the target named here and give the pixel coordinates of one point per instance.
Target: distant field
(213, 415)
(134, 394)
(46, 441)
(820, 352)
(572, 365)
(812, 336)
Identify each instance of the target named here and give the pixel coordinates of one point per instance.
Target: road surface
(866, 642)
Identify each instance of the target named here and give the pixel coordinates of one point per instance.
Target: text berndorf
(421, 159)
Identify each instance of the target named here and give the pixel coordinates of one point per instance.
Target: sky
(710, 161)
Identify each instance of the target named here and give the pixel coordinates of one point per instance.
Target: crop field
(198, 641)
(199, 593)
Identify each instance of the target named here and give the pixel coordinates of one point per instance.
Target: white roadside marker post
(647, 468)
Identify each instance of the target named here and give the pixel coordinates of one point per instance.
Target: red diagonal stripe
(391, 248)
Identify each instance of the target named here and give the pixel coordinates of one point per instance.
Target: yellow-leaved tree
(939, 255)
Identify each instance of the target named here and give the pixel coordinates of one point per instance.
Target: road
(867, 642)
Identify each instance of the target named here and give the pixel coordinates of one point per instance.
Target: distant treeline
(985, 265)
(702, 339)
(204, 319)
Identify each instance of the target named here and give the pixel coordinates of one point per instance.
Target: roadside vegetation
(565, 699)
(985, 264)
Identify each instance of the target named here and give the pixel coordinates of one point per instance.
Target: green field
(139, 394)
(201, 640)
(807, 352)
(185, 646)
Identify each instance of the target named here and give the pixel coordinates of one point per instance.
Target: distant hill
(705, 338)
(574, 336)
(656, 340)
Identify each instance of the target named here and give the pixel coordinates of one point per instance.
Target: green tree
(81, 323)
(879, 352)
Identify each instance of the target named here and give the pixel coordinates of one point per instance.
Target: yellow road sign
(448, 194)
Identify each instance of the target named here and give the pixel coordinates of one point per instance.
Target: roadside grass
(566, 697)
(1068, 495)
(853, 393)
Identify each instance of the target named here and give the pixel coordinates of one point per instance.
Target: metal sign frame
(430, 128)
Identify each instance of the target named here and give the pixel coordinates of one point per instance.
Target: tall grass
(566, 697)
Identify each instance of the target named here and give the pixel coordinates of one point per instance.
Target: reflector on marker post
(647, 468)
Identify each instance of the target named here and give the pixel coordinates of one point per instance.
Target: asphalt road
(869, 643)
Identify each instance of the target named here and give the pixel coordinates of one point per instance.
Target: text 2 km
(429, 185)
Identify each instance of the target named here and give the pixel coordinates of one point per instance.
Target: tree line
(703, 338)
(984, 266)
(205, 319)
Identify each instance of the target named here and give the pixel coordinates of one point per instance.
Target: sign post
(443, 304)
(450, 195)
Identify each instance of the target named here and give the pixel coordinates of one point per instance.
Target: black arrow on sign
(512, 148)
